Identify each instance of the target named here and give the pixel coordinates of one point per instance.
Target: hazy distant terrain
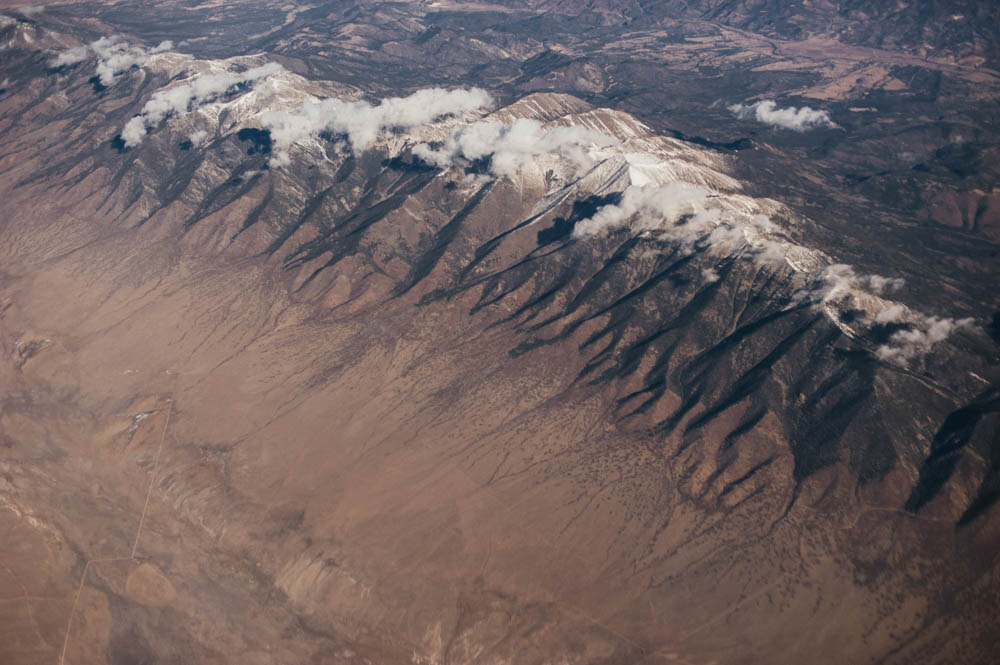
(524, 332)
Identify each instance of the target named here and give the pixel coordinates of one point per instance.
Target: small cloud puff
(32, 10)
(795, 119)
(512, 146)
(71, 56)
(678, 208)
(179, 98)
(362, 123)
(198, 137)
(120, 61)
(839, 280)
(919, 337)
(892, 314)
(687, 214)
(921, 331)
(114, 56)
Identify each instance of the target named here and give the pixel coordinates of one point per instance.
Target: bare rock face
(595, 393)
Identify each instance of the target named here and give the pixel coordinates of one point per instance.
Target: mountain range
(512, 332)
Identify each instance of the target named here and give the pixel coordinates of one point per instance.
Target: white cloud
(114, 56)
(689, 215)
(198, 137)
(648, 207)
(514, 145)
(165, 45)
(796, 119)
(362, 123)
(197, 91)
(841, 283)
(71, 56)
(892, 314)
(108, 69)
(880, 284)
(917, 340)
(839, 280)
(32, 10)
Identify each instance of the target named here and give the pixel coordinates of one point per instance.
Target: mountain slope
(588, 396)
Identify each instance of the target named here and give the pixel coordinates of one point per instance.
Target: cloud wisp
(796, 119)
(656, 207)
(192, 93)
(162, 47)
(198, 137)
(113, 54)
(511, 147)
(921, 334)
(72, 56)
(361, 123)
(838, 280)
